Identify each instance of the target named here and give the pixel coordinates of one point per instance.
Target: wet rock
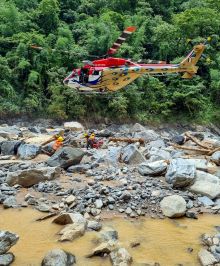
(93, 225)
(120, 257)
(72, 231)
(180, 173)
(191, 214)
(206, 201)
(65, 157)
(131, 155)
(69, 218)
(58, 257)
(173, 206)
(216, 158)
(7, 240)
(28, 151)
(103, 248)
(206, 258)
(152, 168)
(29, 177)
(6, 259)
(10, 147)
(73, 126)
(108, 234)
(10, 202)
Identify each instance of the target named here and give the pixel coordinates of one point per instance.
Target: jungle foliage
(31, 80)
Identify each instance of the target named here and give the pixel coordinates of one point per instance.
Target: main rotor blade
(121, 40)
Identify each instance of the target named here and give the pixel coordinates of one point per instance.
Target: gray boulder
(206, 258)
(6, 259)
(10, 202)
(32, 176)
(28, 151)
(181, 173)
(66, 157)
(206, 201)
(152, 168)
(10, 147)
(7, 240)
(69, 218)
(131, 155)
(216, 158)
(206, 184)
(173, 206)
(155, 154)
(120, 257)
(58, 257)
(10, 132)
(147, 135)
(80, 168)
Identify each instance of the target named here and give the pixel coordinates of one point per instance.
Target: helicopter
(110, 74)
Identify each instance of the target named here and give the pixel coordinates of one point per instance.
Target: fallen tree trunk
(52, 214)
(191, 148)
(194, 139)
(128, 140)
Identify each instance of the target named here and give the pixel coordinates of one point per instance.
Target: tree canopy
(70, 31)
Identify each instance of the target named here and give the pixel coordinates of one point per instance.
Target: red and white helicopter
(111, 74)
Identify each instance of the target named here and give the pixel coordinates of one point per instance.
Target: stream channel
(164, 241)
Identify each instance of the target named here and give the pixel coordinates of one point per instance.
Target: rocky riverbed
(153, 177)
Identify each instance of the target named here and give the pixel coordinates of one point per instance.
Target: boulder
(65, 157)
(10, 147)
(216, 157)
(147, 135)
(58, 257)
(113, 154)
(28, 151)
(202, 164)
(152, 168)
(180, 173)
(103, 248)
(39, 139)
(206, 258)
(206, 201)
(72, 231)
(120, 257)
(6, 259)
(206, 184)
(32, 176)
(80, 168)
(94, 225)
(208, 189)
(131, 155)
(108, 234)
(9, 132)
(74, 126)
(76, 225)
(155, 154)
(69, 218)
(7, 240)
(173, 206)
(10, 202)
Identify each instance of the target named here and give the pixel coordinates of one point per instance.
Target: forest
(71, 31)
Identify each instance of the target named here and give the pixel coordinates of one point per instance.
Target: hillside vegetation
(31, 80)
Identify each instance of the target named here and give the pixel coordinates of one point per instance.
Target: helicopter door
(95, 75)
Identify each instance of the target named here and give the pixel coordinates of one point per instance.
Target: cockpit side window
(95, 72)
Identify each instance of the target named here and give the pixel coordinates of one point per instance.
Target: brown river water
(164, 241)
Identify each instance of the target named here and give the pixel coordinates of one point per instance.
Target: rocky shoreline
(149, 178)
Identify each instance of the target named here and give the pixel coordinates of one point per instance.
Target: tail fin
(189, 63)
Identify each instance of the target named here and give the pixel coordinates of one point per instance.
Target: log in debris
(206, 149)
(194, 139)
(52, 214)
(128, 140)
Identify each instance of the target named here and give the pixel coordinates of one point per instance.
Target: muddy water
(164, 241)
